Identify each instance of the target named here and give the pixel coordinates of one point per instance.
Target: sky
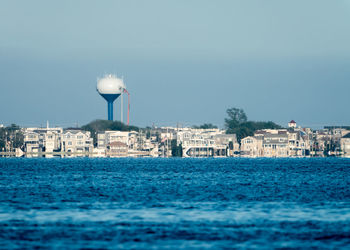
(184, 62)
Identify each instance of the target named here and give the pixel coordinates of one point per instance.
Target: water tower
(110, 88)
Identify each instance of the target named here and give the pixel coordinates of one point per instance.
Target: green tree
(205, 126)
(236, 117)
(176, 150)
(2, 138)
(12, 134)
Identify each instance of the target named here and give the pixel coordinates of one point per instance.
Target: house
(38, 140)
(292, 124)
(206, 142)
(105, 138)
(252, 147)
(117, 149)
(345, 145)
(275, 143)
(76, 141)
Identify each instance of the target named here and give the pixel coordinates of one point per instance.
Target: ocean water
(174, 203)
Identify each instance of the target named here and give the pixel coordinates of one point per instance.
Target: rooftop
(346, 136)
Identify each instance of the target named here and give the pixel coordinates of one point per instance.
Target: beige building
(206, 142)
(252, 147)
(76, 141)
(117, 149)
(123, 144)
(296, 143)
(345, 145)
(107, 137)
(37, 140)
(275, 143)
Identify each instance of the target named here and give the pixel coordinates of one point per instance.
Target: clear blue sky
(182, 61)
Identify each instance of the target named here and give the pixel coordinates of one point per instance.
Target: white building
(345, 145)
(42, 139)
(76, 141)
(276, 143)
(107, 137)
(292, 124)
(252, 147)
(205, 142)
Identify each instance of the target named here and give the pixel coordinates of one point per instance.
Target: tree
(2, 138)
(236, 116)
(176, 150)
(11, 134)
(205, 126)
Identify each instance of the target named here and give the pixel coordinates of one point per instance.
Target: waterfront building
(123, 144)
(38, 140)
(107, 137)
(229, 141)
(192, 142)
(76, 141)
(327, 141)
(276, 143)
(205, 142)
(117, 149)
(296, 143)
(251, 146)
(31, 141)
(345, 145)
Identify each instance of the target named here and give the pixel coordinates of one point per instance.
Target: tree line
(11, 137)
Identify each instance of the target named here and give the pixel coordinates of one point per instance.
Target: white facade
(252, 147)
(345, 145)
(107, 137)
(51, 140)
(205, 142)
(76, 141)
(42, 139)
(276, 143)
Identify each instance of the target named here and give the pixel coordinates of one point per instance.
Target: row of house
(297, 142)
(57, 140)
(157, 142)
(193, 142)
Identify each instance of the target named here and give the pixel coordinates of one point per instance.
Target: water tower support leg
(110, 111)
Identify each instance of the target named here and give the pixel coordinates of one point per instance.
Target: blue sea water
(174, 203)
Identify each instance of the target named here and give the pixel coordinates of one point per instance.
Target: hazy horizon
(182, 62)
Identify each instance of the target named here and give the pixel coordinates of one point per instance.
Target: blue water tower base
(110, 98)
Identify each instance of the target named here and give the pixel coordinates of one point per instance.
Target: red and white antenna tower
(125, 91)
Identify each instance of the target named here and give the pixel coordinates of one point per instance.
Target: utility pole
(121, 107)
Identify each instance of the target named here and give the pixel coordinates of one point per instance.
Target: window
(70, 143)
(79, 137)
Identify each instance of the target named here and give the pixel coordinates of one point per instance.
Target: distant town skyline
(182, 61)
